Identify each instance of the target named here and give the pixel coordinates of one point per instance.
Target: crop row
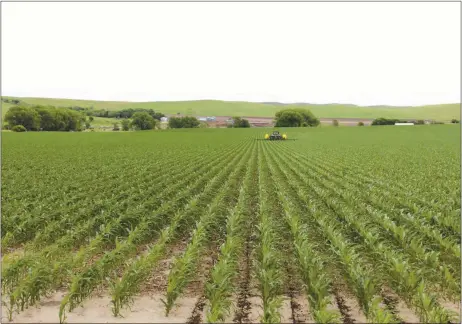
(277, 208)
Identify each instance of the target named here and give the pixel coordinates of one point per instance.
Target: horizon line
(240, 101)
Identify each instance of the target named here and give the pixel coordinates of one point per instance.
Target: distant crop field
(443, 112)
(217, 225)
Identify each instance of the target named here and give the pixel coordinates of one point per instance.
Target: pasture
(348, 225)
(442, 112)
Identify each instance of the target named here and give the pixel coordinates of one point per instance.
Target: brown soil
(294, 290)
(146, 309)
(286, 310)
(243, 304)
(196, 288)
(157, 282)
(347, 304)
(256, 309)
(301, 309)
(349, 308)
(197, 312)
(398, 307)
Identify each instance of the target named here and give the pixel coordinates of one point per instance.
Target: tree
(125, 125)
(384, 121)
(91, 119)
(47, 118)
(455, 121)
(157, 115)
(190, 122)
(335, 123)
(143, 121)
(288, 118)
(183, 122)
(360, 124)
(25, 116)
(239, 122)
(295, 117)
(116, 127)
(60, 119)
(309, 120)
(87, 125)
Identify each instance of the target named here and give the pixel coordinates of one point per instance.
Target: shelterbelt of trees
(44, 118)
(123, 113)
(50, 118)
(22, 118)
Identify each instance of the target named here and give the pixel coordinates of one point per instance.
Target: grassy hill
(444, 112)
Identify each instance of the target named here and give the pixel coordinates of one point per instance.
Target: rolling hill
(443, 112)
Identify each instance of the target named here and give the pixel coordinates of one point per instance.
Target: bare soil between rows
(148, 308)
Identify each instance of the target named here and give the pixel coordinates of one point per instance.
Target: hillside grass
(443, 112)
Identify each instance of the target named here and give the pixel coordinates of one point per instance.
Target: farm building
(164, 119)
(404, 124)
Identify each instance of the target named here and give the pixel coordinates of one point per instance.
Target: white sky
(360, 53)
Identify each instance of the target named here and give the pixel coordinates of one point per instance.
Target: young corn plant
(85, 282)
(384, 199)
(219, 289)
(114, 227)
(184, 267)
(317, 283)
(268, 261)
(361, 282)
(341, 211)
(220, 286)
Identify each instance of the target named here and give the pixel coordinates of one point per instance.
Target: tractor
(275, 136)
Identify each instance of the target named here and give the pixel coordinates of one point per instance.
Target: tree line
(50, 118)
(391, 121)
(119, 114)
(45, 118)
(300, 117)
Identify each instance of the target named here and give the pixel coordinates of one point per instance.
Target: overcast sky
(360, 53)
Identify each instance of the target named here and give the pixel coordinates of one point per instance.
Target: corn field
(334, 225)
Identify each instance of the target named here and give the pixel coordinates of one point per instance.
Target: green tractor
(275, 136)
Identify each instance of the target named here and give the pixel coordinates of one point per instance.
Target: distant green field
(101, 121)
(444, 112)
